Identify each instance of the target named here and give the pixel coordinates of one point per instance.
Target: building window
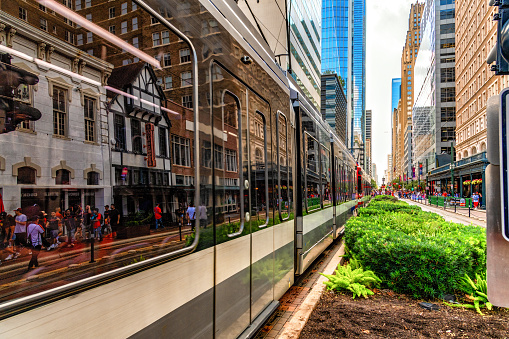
(186, 79)
(447, 28)
(123, 27)
(206, 154)
(185, 55)
(187, 101)
(134, 6)
(92, 178)
(44, 24)
(112, 12)
(112, 29)
(22, 13)
(181, 151)
(166, 59)
(448, 94)
(447, 43)
(69, 37)
(447, 74)
(90, 52)
(88, 3)
(447, 14)
(447, 134)
(59, 112)
(135, 23)
(120, 132)
(135, 42)
(448, 114)
(153, 20)
(77, 4)
(163, 145)
(26, 176)
(123, 8)
(168, 82)
(63, 177)
(156, 39)
(136, 135)
(89, 119)
(89, 16)
(166, 37)
(231, 160)
(218, 156)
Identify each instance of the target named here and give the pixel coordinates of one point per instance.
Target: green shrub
(415, 252)
(353, 278)
(477, 293)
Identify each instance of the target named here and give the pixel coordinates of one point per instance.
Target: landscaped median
(415, 252)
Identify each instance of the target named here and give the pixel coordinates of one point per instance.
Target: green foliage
(477, 293)
(139, 218)
(353, 278)
(415, 252)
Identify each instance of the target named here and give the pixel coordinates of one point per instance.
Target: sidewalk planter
(126, 232)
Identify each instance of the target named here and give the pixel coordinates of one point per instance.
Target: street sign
(504, 160)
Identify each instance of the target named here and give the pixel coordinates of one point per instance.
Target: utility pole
(452, 169)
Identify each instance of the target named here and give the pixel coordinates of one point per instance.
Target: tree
(373, 184)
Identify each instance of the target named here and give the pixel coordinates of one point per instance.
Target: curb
(296, 323)
(440, 209)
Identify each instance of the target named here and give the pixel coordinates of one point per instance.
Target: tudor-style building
(140, 143)
(60, 160)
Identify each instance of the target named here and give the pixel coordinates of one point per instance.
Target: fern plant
(477, 293)
(353, 278)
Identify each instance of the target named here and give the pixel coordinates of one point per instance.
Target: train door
(244, 257)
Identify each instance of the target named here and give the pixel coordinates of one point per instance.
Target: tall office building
(401, 155)
(334, 104)
(369, 145)
(475, 82)
(304, 27)
(433, 132)
(344, 52)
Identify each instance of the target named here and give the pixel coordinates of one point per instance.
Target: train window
(283, 184)
(312, 177)
(259, 171)
(228, 188)
(326, 176)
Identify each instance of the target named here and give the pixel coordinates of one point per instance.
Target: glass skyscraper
(344, 53)
(396, 93)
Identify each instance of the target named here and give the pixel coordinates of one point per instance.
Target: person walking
(54, 225)
(107, 226)
(20, 232)
(191, 215)
(114, 220)
(158, 216)
(34, 234)
(97, 220)
(70, 227)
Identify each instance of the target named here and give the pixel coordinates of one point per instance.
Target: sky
(386, 28)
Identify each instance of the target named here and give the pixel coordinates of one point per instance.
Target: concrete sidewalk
(451, 216)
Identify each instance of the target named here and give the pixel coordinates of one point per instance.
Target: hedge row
(415, 252)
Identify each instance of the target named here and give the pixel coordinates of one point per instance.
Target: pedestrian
(107, 226)
(70, 227)
(114, 220)
(34, 232)
(158, 216)
(54, 225)
(87, 221)
(20, 232)
(97, 220)
(58, 212)
(191, 215)
(475, 199)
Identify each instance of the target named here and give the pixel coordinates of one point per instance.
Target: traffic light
(500, 52)
(12, 111)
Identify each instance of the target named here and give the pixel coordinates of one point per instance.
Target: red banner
(151, 154)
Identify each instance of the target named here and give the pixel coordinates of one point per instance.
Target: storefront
(469, 178)
(48, 199)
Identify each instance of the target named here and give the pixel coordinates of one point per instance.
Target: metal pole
(452, 170)
(92, 238)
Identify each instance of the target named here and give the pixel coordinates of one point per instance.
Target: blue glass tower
(344, 53)
(396, 93)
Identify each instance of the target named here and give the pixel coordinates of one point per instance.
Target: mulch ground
(391, 315)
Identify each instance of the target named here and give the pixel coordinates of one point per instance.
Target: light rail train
(261, 221)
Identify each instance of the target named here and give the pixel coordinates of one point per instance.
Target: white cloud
(386, 28)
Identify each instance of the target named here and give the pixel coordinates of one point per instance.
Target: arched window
(474, 150)
(92, 178)
(258, 156)
(230, 110)
(26, 176)
(465, 154)
(483, 147)
(63, 177)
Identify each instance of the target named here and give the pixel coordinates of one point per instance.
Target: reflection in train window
(312, 178)
(326, 176)
(284, 198)
(259, 171)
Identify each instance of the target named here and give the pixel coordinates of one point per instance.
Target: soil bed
(391, 315)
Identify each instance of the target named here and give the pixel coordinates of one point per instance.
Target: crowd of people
(32, 230)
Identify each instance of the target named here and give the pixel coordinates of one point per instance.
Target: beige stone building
(404, 118)
(475, 82)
